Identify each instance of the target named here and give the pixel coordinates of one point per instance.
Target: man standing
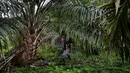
(63, 45)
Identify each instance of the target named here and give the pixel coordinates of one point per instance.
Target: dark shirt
(63, 44)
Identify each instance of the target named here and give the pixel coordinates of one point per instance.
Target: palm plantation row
(93, 25)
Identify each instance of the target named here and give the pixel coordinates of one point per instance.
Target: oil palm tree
(24, 22)
(108, 23)
(117, 27)
(74, 18)
(113, 26)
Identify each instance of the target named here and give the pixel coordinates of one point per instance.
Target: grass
(79, 64)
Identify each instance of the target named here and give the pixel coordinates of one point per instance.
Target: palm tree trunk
(28, 55)
(24, 54)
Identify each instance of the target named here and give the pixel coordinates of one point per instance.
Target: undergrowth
(80, 63)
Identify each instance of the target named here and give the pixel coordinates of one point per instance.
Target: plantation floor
(80, 63)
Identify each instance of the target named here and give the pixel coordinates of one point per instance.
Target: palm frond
(117, 25)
